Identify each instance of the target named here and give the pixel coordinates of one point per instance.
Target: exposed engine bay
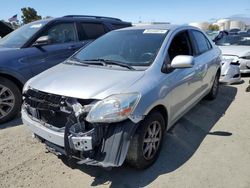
(95, 144)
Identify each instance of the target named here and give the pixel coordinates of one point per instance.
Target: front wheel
(10, 100)
(145, 145)
(215, 88)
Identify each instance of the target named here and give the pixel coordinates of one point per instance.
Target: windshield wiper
(75, 61)
(106, 62)
(95, 62)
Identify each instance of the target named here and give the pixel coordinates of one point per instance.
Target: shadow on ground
(248, 81)
(15, 122)
(245, 75)
(180, 143)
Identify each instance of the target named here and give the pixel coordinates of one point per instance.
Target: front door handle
(72, 47)
(198, 68)
(201, 70)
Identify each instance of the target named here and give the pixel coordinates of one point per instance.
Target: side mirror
(41, 41)
(182, 61)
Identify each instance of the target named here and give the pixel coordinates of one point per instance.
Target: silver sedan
(114, 99)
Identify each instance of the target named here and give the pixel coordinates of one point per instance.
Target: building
(228, 24)
(224, 24)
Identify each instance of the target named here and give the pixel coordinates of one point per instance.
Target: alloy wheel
(7, 101)
(152, 140)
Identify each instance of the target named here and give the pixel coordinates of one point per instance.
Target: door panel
(204, 59)
(200, 71)
(183, 81)
(182, 88)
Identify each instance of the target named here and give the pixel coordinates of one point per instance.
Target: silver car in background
(114, 99)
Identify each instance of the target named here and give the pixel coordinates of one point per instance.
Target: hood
(4, 49)
(8, 53)
(9, 56)
(235, 50)
(84, 82)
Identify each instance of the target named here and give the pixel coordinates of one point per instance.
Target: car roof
(83, 17)
(92, 18)
(158, 26)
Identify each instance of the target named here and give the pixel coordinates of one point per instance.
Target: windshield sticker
(155, 31)
(36, 26)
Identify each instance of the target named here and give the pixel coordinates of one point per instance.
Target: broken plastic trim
(110, 142)
(114, 147)
(70, 121)
(73, 119)
(111, 150)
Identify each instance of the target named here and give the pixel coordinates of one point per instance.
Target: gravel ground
(208, 147)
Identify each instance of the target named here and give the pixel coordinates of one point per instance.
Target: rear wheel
(215, 88)
(145, 145)
(10, 100)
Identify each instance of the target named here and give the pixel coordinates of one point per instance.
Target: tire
(137, 155)
(215, 88)
(10, 100)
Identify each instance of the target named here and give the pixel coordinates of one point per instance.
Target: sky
(175, 11)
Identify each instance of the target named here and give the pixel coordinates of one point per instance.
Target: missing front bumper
(110, 152)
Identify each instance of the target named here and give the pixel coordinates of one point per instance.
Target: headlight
(114, 108)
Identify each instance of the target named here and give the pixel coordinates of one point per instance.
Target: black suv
(40, 45)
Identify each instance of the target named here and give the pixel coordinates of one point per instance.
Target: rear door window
(92, 30)
(203, 45)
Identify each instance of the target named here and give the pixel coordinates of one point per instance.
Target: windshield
(131, 47)
(20, 36)
(234, 40)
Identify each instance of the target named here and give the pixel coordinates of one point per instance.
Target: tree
(213, 27)
(29, 15)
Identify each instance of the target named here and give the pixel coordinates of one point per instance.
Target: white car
(236, 48)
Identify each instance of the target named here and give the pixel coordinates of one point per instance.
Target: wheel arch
(13, 79)
(163, 110)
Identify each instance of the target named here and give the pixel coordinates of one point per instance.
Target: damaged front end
(230, 71)
(60, 122)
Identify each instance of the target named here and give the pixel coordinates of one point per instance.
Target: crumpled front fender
(115, 147)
